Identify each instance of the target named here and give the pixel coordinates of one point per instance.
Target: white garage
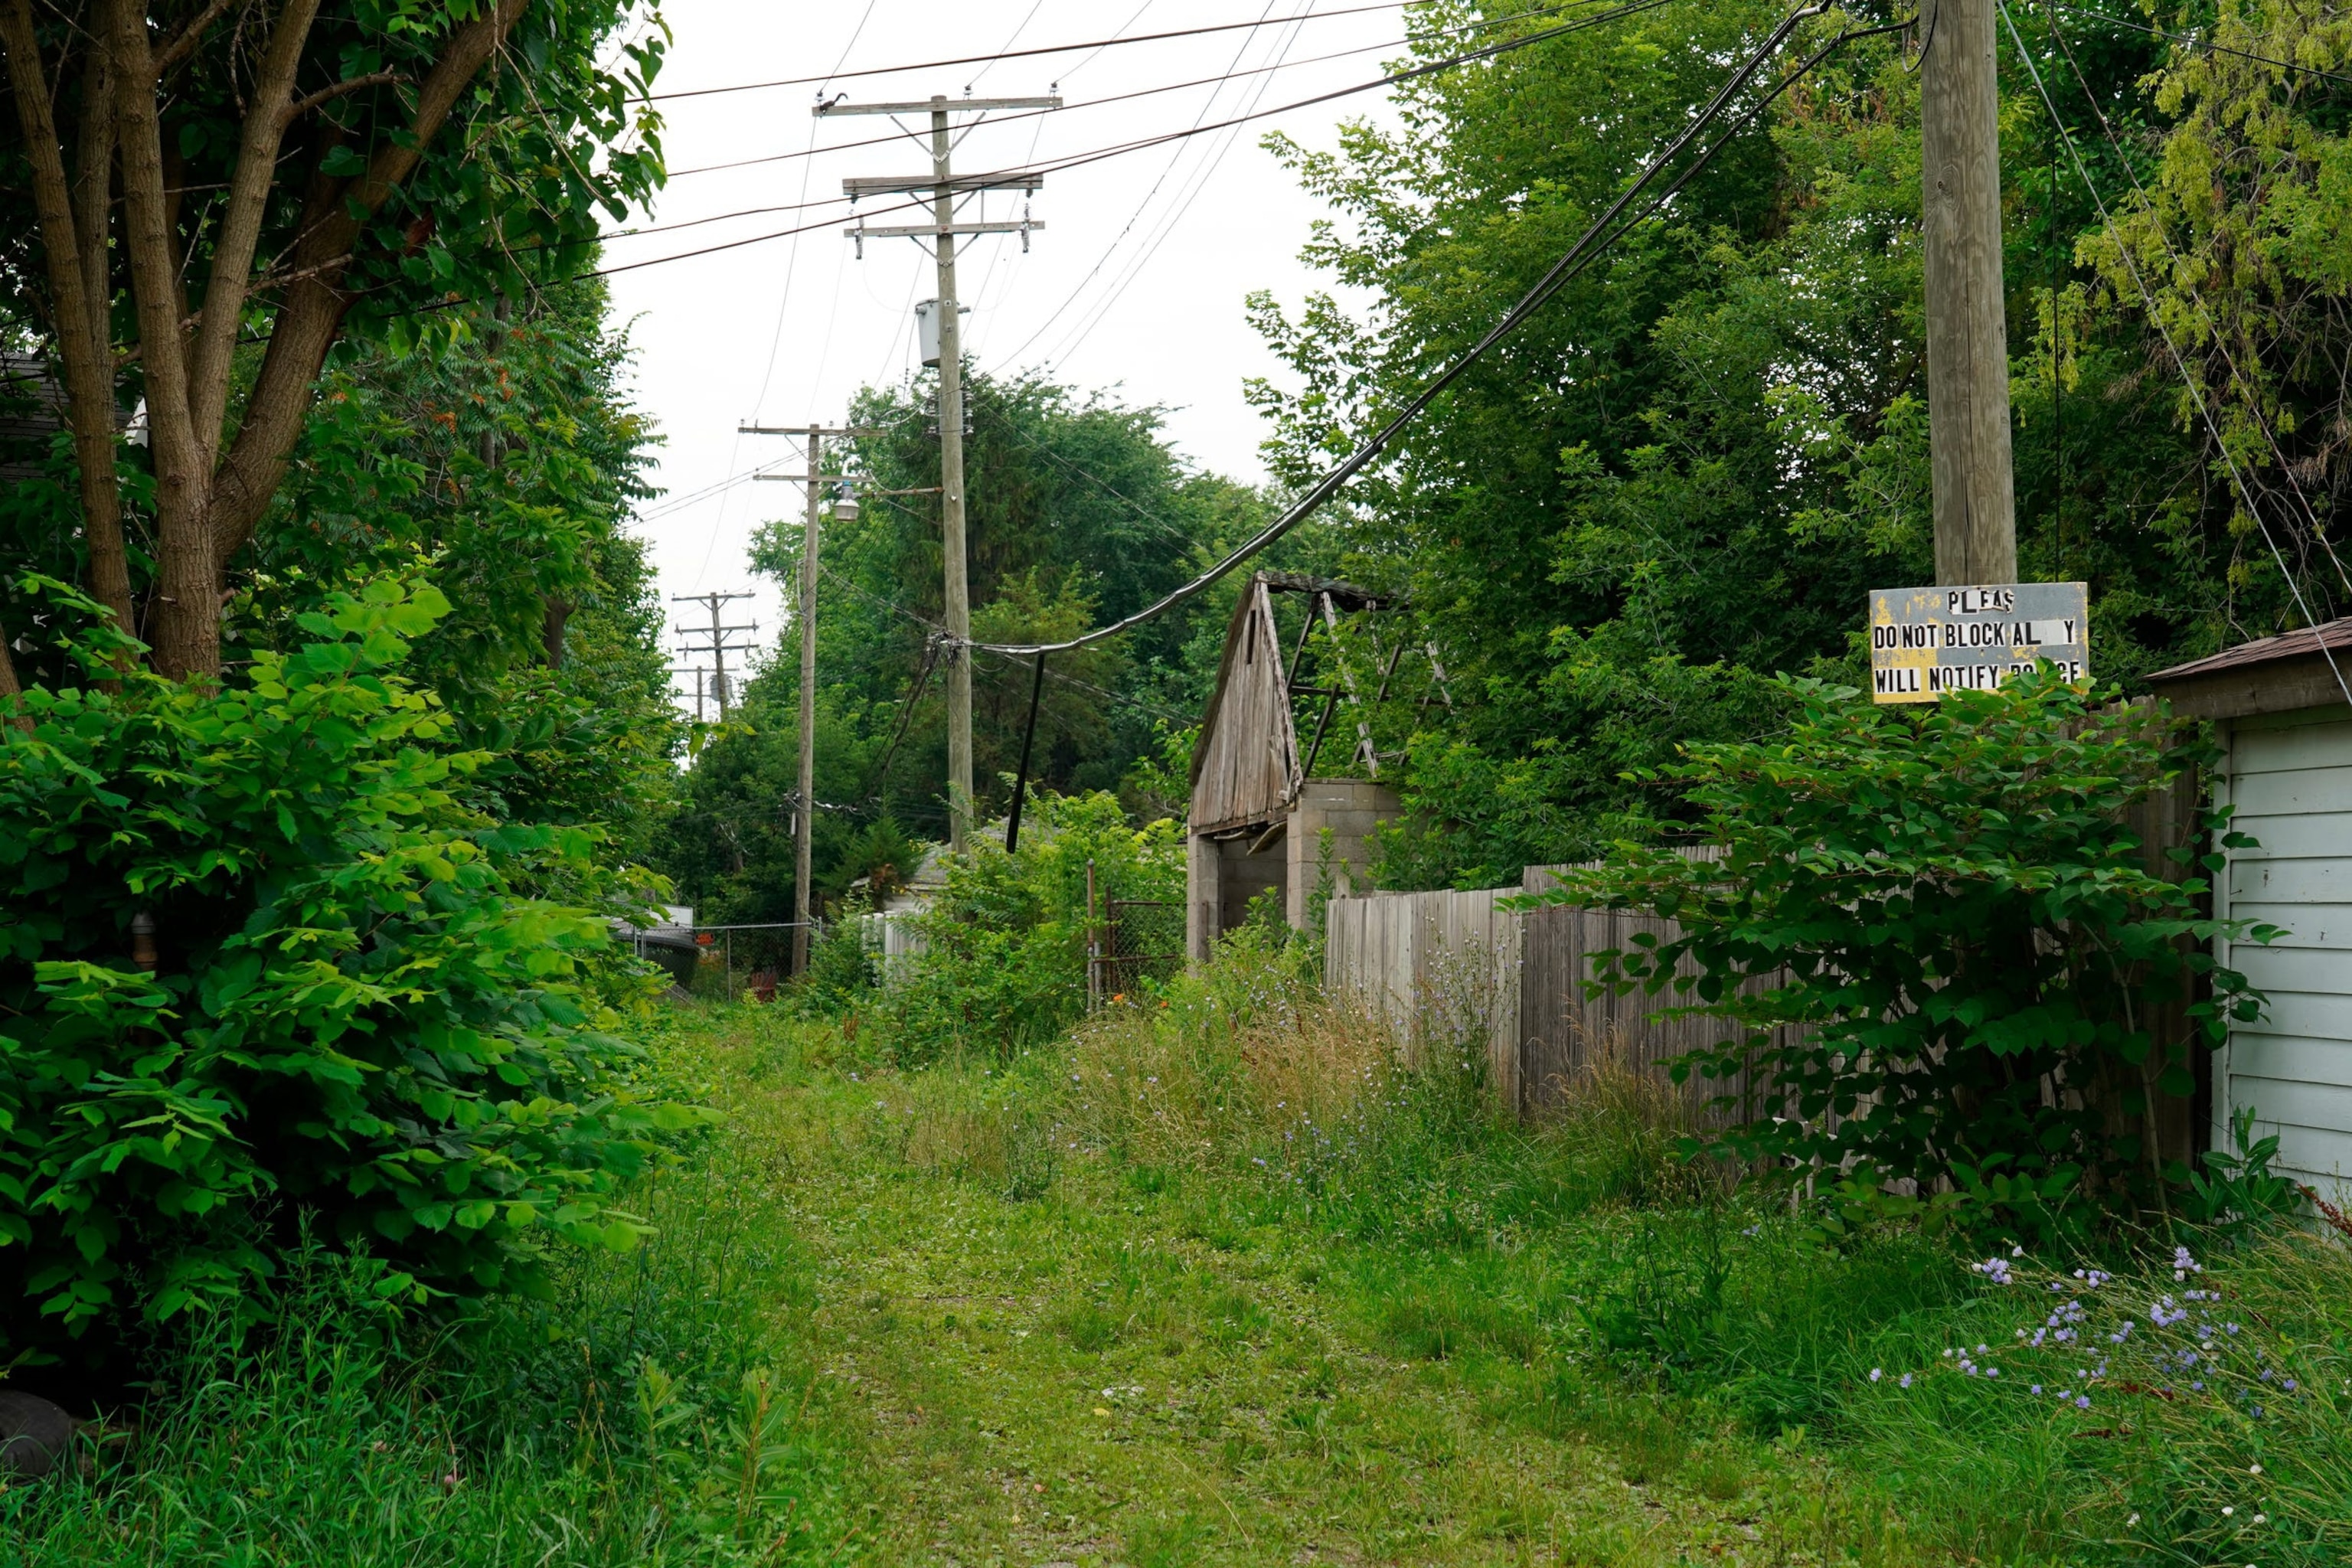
(2281, 713)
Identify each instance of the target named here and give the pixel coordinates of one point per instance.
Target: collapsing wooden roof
(1246, 764)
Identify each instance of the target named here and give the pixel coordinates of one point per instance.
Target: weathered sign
(1924, 642)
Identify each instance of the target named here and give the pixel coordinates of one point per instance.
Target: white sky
(1136, 281)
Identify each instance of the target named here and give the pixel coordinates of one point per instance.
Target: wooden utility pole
(943, 228)
(1968, 326)
(805, 794)
(718, 647)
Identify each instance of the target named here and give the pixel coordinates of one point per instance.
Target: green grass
(1216, 1283)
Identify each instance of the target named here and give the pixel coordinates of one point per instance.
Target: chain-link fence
(1139, 941)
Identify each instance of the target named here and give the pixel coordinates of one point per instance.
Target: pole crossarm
(857, 186)
(937, 105)
(923, 230)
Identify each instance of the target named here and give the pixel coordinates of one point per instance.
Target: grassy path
(1039, 1358)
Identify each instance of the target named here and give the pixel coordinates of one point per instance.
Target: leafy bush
(1003, 965)
(1977, 954)
(656, 1411)
(351, 1008)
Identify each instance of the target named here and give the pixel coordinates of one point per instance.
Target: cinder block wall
(1348, 808)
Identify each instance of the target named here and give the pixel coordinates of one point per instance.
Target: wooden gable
(1245, 763)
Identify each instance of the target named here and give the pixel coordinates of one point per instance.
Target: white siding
(2290, 777)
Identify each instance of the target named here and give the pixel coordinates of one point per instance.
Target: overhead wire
(1117, 150)
(1004, 50)
(1486, 25)
(783, 301)
(1096, 45)
(1587, 247)
(2221, 341)
(1077, 334)
(2193, 41)
(2156, 319)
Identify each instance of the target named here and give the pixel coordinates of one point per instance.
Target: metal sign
(1924, 642)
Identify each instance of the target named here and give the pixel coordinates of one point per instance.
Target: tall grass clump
(1248, 1069)
(2191, 1405)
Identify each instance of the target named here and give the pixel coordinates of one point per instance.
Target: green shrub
(1002, 965)
(1965, 957)
(656, 1411)
(353, 1009)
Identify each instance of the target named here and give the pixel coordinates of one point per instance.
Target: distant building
(2278, 705)
(1258, 816)
(32, 413)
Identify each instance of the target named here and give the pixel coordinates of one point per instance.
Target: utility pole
(804, 798)
(1968, 327)
(697, 672)
(718, 647)
(945, 187)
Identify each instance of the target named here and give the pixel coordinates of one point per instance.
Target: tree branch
(240, 229)
(81, 326)
(303, 106)
(184, 42)
(311, 314)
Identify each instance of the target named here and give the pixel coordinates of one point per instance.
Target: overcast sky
(1135, 282)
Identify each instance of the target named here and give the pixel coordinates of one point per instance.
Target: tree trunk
(186, 637)
(551, 630)
(76, 254)
(206, 505)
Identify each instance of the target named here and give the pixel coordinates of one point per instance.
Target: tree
(354, 166)
(1080, 510)
(504, 452)
(1684, 475)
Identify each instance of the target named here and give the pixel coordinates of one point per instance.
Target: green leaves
(1939, 941)
(356, 1011)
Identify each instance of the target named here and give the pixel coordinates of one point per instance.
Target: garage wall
(2290, 777)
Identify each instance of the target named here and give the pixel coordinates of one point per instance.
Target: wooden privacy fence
(1462, 965)
(1447, 962)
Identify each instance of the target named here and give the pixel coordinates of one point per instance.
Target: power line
(1141, 208)
(1122, 149)
(1589, 245)
(2221, 341)
(2192, 41)
(1096, 45)
(2156, 319)
(1129, 97)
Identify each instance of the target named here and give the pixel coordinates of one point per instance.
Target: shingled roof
(2306, 668)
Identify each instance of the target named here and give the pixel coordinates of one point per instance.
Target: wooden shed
(2279, 706)
(1258, 816)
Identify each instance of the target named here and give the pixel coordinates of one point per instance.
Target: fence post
(1094, 944)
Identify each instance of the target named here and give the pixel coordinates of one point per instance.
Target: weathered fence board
(1444, 962)
(1463, 963)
